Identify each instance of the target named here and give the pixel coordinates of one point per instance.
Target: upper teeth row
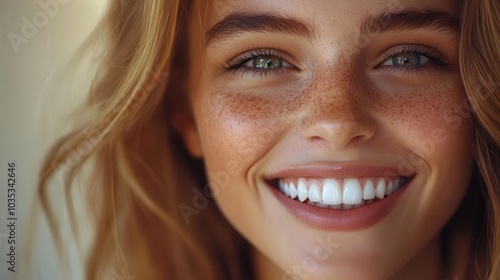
(335, 192)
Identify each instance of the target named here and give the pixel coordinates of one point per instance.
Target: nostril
(337, 133)
(358, 138)
(320, 141)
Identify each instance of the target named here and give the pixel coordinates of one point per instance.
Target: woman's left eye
(407, 59)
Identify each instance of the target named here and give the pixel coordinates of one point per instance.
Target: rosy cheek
(429, 120)
(243, 126)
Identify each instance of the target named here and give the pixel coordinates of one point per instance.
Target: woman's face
(334, 133)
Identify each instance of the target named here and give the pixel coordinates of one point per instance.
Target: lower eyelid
(246, 69)
(426, 69)
(259, 73)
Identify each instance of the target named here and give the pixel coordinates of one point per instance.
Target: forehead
(319, 13)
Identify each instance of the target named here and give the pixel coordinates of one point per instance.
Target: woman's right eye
(262, 62)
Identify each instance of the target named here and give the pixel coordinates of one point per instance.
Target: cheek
(433, 122)
(236, 130)
(241, 127)
(432, 125)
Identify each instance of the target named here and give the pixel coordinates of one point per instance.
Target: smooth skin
(339, 95)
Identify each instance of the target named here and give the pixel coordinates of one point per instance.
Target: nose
(337, 120)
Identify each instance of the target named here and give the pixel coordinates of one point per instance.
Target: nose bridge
(338, 83)
(337, 116)
(337, 102)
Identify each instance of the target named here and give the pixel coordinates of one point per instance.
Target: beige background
(32, 115)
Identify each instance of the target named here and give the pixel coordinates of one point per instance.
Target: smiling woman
(297, 140)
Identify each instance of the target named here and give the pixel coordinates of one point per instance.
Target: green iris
(407, 59)
(267, 63)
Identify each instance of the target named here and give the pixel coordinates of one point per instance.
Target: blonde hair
(480, 70)
(142, 174)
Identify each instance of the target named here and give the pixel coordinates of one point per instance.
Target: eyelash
(236, 65)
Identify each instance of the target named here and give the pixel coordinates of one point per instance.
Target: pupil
(267, 63)
(409, 59)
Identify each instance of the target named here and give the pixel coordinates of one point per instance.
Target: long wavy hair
(141, 173)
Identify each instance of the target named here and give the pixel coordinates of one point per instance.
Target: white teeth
(332, 193)
(314, 193)
(293, 191)
(287, 189)
(352, 193)
(389, 189)
(380, 189)
(340, 193)
(302, 190)
(368, 190)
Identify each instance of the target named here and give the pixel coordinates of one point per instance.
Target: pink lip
(333, 219)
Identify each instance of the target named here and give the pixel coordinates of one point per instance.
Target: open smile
(340, 193)
(339, 197)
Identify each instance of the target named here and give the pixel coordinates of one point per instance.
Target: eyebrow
(236, 23)
(409, 19)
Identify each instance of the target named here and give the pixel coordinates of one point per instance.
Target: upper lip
(339, 171)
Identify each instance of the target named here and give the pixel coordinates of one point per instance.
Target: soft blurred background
(38, 37)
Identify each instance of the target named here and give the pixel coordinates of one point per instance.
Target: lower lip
(340, 220)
